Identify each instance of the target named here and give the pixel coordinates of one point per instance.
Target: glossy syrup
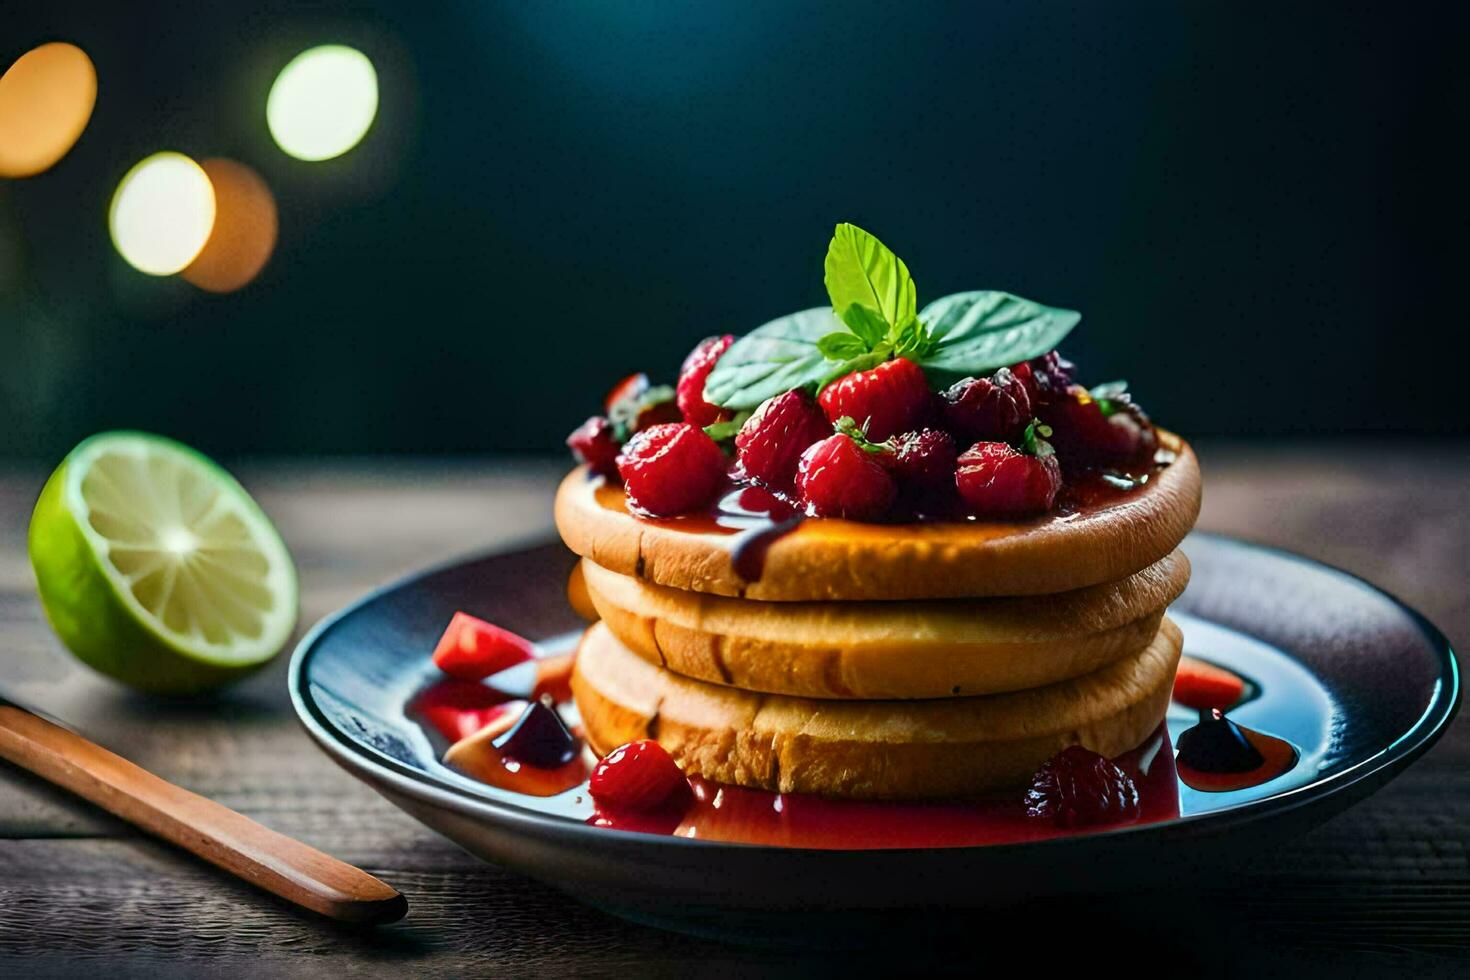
(1285, 715)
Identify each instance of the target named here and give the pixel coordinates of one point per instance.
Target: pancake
(831, 559)
(884, 750)
(911, 649)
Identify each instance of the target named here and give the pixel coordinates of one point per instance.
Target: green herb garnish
(874, 317)
(1034, 443)
(848, 426)
(720, 431)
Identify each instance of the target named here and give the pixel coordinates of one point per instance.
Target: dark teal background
(1259, 208)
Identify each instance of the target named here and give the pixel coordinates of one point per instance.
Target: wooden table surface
(1383, 889)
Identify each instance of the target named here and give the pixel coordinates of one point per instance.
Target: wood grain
(219, 835)
(1382, 890)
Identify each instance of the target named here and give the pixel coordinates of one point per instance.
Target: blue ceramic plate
(1359, 683)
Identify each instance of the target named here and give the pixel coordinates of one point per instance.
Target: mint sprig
(874, 317)
(1034, 443)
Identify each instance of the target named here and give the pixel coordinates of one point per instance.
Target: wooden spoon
(219, 835)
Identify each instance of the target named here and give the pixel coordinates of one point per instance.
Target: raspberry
(837, 478)
(472, 649)
(773, 439)
(670, 469)
(540, 738)
(923, 459)
(592, 443)
(1084, 436)
(891, 398)
(996, 408)
(638, 776)
(690, 389)
(1077, 787)
(998, 481)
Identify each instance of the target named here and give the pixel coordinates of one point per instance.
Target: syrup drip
(1217, 755)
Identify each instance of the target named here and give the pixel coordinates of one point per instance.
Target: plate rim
(365, 763)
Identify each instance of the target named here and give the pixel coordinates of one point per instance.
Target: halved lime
(157, 568)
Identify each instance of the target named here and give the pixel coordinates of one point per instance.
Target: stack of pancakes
(882, 661)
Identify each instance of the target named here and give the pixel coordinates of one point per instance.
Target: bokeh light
(244, 234)
(162, 213)
(323, 102)
(46, 99)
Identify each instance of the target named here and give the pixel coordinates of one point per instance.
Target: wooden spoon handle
(219, 835)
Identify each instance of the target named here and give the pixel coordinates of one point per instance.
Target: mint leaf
(1112, 397)
(911, 339)
(772, 359)
(1034, 443)
(720, 431)
(867, 324)
(841, 345)
(862, 271)
(974, 333)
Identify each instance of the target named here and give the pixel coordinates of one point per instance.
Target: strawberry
(671, 469)
(771, 441)
(640, 775)
(1077, 787)
(996, 408)
(1092, 431)
(472, 649)
(998, 481)
(692, 376)
(891, 398)
(1203, 686)
(923, 460)
(838, 478)
(592, 443)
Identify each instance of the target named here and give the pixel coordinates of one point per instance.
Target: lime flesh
(155, 566)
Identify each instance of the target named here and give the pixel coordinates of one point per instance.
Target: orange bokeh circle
(245, 226)
(46, 99)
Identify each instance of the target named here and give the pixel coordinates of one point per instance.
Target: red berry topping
(996, 408)
(458, 709)
(1045, 377)
(671, 469)
(1085, 435)
(998, 481)
(638, 776)
(592, 443)
(773, 439)
(838, 478)
(891, 398)
(696, 369)
(540, 738)
(923, 459)
(472, 649)
(1077, 787)
(1203, 686)
(630, 387)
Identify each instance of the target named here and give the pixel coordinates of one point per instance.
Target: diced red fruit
(671, 469)
(692, 376)
(838, 478)
(638, 776)
(923, 460)
(592, 443)
(1079, 788)
(996, 480)
(540, 738)
(1203, 686)
(995, 409)
(630, 387)
(891, 398)
(458, 709)
(472, 649)
(1084, 436)
(772, 440)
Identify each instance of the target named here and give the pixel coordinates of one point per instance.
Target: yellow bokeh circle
(162, 213)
